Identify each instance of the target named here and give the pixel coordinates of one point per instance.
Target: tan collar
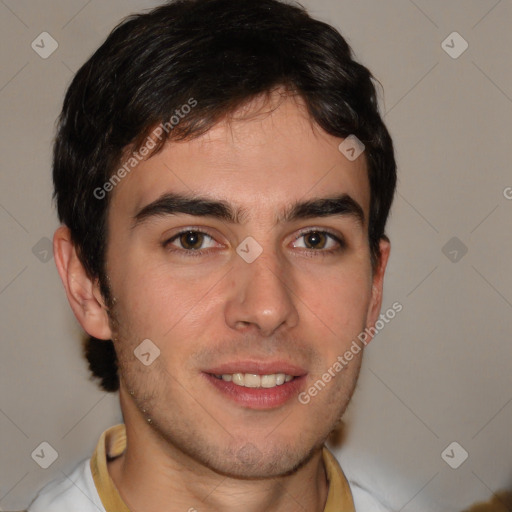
(113, 443)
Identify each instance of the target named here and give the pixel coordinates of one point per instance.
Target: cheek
(159, 301)
(338, 299)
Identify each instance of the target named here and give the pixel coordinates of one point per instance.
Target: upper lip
(258, 368)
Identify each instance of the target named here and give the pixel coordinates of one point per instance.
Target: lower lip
(258, 398)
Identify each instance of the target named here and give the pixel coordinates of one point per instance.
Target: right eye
(190, 241)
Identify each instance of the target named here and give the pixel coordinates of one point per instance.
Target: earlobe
(83, 293)
(378, 283)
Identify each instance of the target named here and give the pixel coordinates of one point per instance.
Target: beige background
(439, 372)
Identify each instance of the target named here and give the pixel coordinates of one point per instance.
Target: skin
(200, 449)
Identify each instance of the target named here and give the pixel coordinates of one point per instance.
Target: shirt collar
(112, 443)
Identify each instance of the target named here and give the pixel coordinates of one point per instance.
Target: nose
(261, 297)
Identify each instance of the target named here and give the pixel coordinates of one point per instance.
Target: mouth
(253, 380)
(257, 385)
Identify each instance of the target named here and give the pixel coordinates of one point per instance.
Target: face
(243, 256)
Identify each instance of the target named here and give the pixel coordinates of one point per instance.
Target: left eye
(316, 240)
(192, 241)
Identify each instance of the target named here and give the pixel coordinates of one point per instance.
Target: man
(223, 178)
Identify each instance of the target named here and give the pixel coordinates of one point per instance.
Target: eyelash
(309, 252)
(187, 252)
(341, 245)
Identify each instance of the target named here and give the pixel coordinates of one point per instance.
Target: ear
(378, 283)
(83, 294)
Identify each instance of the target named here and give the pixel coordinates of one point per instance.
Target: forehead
(268, 155)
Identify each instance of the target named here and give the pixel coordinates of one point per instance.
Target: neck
(152, 476)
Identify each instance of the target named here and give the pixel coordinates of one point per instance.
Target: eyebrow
(341, 205)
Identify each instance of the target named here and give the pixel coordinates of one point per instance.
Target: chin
(260, 467)
(251, 462)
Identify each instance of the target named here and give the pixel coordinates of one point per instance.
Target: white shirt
(90, 485)
(77, 493)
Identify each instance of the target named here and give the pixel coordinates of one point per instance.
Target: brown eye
(319, 241)
(315, 240)
(192, 240)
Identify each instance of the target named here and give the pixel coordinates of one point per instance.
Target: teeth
(268, 381)
(238, 378)
(252, 380)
